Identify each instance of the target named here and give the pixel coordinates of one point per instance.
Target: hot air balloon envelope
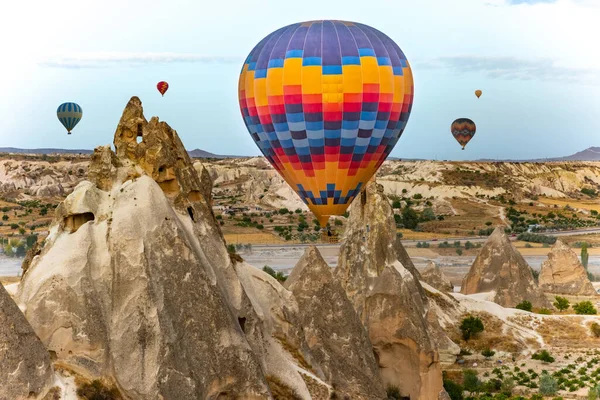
(162, 87)
(478, 93)
(69, 114)
(463, 130)
(326, 102)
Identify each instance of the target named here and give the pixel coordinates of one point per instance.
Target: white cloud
(102, 59)
(513, 68)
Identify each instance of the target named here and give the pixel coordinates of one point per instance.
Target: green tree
(585, 308)
(275, 274)
(428, 214)
(5, 217)
(594, 393)
(584, 255)
(471, 326)
(525, 305)
(410, 219)
(471, 382)
(561, 303)
(548, 385)
(508, 384)
(454, 390)
(8, 251)
(595, 328)
(396, 204)
(459, 252)
(20, 251)
(543, 356)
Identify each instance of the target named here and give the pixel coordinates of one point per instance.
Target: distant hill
(589, 154)
(44, 151)
(197, 153)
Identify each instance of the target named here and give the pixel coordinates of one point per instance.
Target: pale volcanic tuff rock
(336, 337)
(131, 282)
(434, 276)
(383, 293)
(501, 270)
(25, 368)
(563, 273)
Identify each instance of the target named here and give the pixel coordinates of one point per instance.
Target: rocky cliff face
(501, 270)
(383, 293)
(562, 273)
(129, 283)
(134, 284)
(336, 337)
(434, 276)
(25, 369)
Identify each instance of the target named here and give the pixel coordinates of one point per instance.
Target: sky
(536, 62)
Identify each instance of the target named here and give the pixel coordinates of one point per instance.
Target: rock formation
(25, 369)
(434, 276)
(383, 293)
(501, 270)
(563, 273)
(336, 337)
(129, 283)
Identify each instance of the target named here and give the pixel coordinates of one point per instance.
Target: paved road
(412, 243)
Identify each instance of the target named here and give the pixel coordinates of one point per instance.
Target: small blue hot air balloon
(69, 114)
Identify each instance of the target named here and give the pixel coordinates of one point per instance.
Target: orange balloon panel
(326, 102)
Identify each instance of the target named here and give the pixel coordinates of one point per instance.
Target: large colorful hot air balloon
(325, 102)
(69, 114)
(463, 130)
(162, 87)
(478, 93)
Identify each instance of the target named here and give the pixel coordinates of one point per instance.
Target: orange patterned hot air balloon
(162, 87)
(478, 93)
(326, 102)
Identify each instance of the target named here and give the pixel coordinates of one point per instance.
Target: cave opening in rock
(74, 221)
(363, 198)
(242, 322)
(190, 211)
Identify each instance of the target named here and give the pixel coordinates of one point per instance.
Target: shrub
(393, 392)
(487, 353)
(275, 274)
(97, 391)
(525, 305)
(548, 385)
(536, 238)
(561, 303)
(585, 308)
(545, 311)
(508, 384)
(468, 245)
(471, 382)
(544, 356)
(459, 252)
(454, 390)
(594, 393)
(595, 328)
(396, 204)
(231, 248)
(471, 326)
(283, 211)
(417, 196)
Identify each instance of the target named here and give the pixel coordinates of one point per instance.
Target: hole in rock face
(140, 131)
(363, 198)
(190, 211)
(161, 169)
(74, 221)
(242, 322)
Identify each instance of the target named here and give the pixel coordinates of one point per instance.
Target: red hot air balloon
(162, 87)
